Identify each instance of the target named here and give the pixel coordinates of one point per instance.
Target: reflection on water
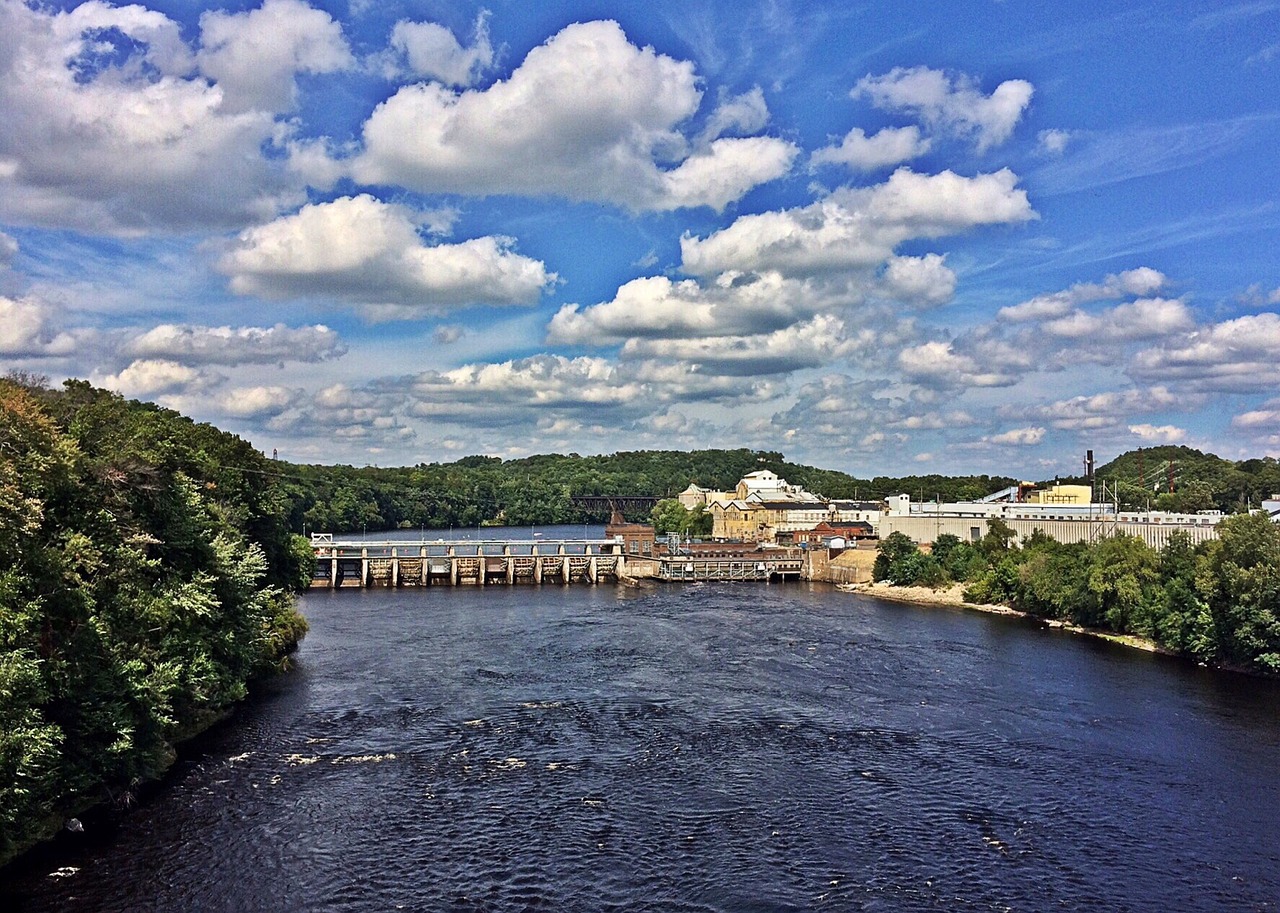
(711, 747)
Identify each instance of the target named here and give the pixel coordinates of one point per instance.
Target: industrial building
(1065, 519)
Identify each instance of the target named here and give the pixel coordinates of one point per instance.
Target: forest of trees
(146, 576)
(1187, 480)
(1217, 602)
(538, 490)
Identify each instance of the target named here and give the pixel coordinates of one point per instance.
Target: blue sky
(887, 238)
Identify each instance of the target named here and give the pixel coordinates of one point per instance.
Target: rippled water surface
(715, 747)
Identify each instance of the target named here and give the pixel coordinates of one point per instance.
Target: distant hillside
(1200, 481)
(538, 490)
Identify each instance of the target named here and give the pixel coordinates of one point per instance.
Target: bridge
(620, 505)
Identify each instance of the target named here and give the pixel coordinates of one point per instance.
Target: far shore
(953, 597)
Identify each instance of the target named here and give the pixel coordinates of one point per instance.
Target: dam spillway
(469, 562)
(465, 562)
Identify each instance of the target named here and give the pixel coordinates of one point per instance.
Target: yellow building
(765, 506)
(736, 521)
(1061, 494)
(695, 496)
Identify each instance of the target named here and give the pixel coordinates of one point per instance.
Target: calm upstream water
(705, 747)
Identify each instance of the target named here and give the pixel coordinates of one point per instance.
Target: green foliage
(1217, 603)
(146, 565)
(1240, 584)
(1122, 576)
(1201, 481)
(539, 489)
(892, 550)
(670, 516)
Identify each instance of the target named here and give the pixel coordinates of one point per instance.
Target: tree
(670, 516)
(998, 540)
(1241, 586)
(891, 550)
(1122, 577)
(141, 558)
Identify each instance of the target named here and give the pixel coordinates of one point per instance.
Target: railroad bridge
(616, 505)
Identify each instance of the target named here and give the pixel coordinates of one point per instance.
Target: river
(735, 747)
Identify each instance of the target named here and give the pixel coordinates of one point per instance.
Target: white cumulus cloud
(937, 364)
(545, 383)
(1146, 318)
(1141, 281)
(1266, 418)
(148, 377)
(431, 50)
(236, 345)
(247, 402)
(859, 228)
(253, 56)
(1161, 434)
(26, 329)
(926, 281)
(658, 307)
(950, 103)
(586, 116)
(890, 146)
(1100, 410)
(368, 253)
(810, 344)
(1018, 437)
(1233, 356)
(746, 113)
(111, 126)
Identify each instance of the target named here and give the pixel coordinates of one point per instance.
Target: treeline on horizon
(1217, 602)
(539, 490)
(146, 576)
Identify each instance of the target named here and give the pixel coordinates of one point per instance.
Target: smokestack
(1088, 465)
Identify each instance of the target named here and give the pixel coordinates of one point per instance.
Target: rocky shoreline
(953, 597)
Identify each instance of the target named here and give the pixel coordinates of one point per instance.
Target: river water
(735, 747)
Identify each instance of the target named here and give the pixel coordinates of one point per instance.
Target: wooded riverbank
(952, 596)
(148, 576)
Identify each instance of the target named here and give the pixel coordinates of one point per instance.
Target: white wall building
(925, 521)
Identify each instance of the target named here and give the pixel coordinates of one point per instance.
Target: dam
(505, 562)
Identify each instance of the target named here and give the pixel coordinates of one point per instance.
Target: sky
(889, 238)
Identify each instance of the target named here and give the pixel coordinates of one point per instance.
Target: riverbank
(952, 596)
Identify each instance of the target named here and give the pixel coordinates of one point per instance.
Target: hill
(538, 490)
(1185, 479)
